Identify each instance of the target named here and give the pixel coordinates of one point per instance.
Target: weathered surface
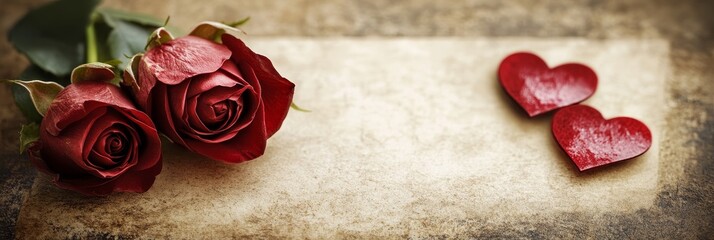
(402, 132)
(684, 205)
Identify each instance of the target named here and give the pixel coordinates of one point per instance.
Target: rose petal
(230, 68)
(77, 100)
(109, 119)
(193, 123)
(133, 181)
(205, 82)
(235, 122)
(101, 160)
(177, 96)
(111, 146)
(138, 181)
(251, 100)
(182, 58)
(149, 149)
(64, 151)
(276, 91)
(86, 185)
(173, 62)
(34, 154)
(248, 144)
(83, 111)
(162, 114)
(217, 113)
(146, 82)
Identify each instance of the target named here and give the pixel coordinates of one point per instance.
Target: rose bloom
(222, 101)
(94, 141)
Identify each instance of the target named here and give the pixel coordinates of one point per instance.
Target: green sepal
(238, 23)
(94, 72)
(213, 30)
(129, 78)
(29, 134)
(298, 108)
(158, 37)
(22, 96)
(42, 93)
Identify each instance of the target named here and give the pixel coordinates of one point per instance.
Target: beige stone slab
(400, 130)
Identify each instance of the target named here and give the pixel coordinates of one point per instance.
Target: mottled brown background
(684, 209)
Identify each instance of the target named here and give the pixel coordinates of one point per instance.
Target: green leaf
(239, 22)
(52, 36)
(112, 16)
(29, 134)
(22, 96)
(298, 108)
(127, 39)
(94, 72)
(213, 30)
(24, 103)
(42, 93)
(158, 37)
(129, 77)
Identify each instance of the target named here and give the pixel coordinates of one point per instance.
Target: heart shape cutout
(539, 89)
(592, 141)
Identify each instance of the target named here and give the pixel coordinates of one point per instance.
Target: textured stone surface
(683, 206)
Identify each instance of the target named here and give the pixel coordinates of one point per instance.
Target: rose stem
(91, 40)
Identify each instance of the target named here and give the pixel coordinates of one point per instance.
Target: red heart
(539, 89)
(592, 141)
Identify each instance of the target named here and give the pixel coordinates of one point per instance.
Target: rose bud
(94, 141)
(220, 100)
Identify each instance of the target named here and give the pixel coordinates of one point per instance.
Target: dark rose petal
(182, 58)
(86, 184)
(175, 61)
(248, 144)
(35, 156)
(216, 113)
(93, 119)
(110, 119)
(162, 114)
(223, 109)
(68, 157)
(228, 128)
(230, 68)
(193, 123)
(177, 98)
(205, 82)
(75, 102)
(146, 83)
(149, 150)
(103, 161)
(138, 181)
(111, 142)
(111, 147)
(276, 91)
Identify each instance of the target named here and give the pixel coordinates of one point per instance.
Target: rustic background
(684, 209)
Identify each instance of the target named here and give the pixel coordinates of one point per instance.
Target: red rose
(94, 141)
(222, 101)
